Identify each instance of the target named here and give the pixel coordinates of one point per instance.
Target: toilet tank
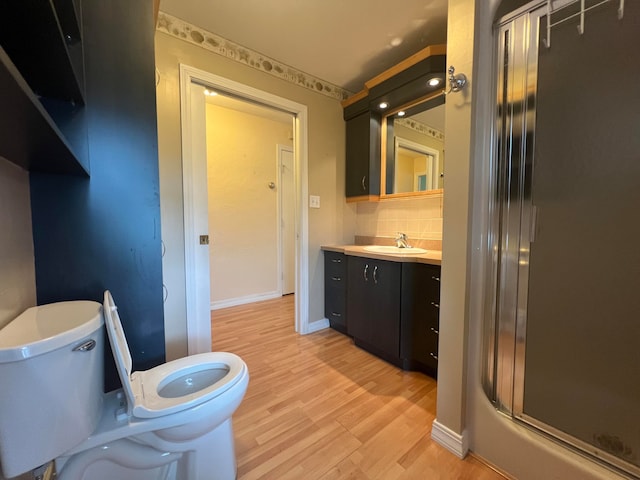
(51, 382)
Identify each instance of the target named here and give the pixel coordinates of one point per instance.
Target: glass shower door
(569, 281)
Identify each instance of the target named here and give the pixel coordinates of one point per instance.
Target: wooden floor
(318, 407)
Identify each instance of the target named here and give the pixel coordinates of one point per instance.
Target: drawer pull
(364, 274)
(336, 314)
(375, 275)
(336, 279)
(435, 357)
(336, 260)
(437, 332)
(437, 305)
(437, 279)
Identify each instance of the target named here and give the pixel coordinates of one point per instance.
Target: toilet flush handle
(85, 346)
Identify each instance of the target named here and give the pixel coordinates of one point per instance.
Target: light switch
(314, 201)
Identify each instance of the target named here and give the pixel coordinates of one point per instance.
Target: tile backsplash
(419, 218)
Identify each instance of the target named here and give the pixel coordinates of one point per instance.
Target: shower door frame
(513, 223)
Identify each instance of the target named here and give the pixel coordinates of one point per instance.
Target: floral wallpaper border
(217, 44)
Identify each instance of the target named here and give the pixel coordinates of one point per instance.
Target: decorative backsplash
(217, 44)
(419, 218)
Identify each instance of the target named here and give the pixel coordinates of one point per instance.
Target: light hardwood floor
(318, 407)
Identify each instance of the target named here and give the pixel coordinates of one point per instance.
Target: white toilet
(170, 422)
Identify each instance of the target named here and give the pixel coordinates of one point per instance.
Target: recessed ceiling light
(395, 41)
(434, 82)
(383, 105)
(401, 114)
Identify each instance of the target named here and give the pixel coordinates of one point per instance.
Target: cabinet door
(357, 289)
(363, 155)
(373, 304)
(420, 314)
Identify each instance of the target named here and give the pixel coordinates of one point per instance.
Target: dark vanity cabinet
(373, 305)
(335, 290)
(362, 151)
(420, 314)
(391, 309)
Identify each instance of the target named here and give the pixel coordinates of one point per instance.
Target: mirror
(413, 149)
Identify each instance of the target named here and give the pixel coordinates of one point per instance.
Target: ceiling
(344, 42)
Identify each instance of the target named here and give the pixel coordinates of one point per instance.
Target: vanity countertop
(432, 257)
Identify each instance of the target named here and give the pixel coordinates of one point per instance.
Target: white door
(288, 217)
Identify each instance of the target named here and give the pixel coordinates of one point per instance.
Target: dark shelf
(28, 136)
(42, 38)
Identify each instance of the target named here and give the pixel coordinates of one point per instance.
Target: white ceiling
(345, 42)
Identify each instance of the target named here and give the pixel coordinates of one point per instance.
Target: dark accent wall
(104, 232)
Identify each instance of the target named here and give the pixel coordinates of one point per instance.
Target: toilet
(172, 422)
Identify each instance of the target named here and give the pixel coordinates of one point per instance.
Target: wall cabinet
(362, 151)
(403, 83)
(335, 290)
(42, 86)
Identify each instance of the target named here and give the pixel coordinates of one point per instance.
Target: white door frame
(282, 217)
(196, 273)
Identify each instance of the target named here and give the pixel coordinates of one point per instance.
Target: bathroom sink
(394, 250)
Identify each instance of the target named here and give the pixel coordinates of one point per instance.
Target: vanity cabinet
(420, 317)
(335, 290)
(362, 151)
(373, 305)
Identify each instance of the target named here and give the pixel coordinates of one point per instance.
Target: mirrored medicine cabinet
(412, 150)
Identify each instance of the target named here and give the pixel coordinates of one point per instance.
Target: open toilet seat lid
(142, 389)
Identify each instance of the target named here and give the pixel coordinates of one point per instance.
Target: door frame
(197, 273)
(282, 217)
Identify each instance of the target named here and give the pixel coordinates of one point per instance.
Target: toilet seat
(173, 386)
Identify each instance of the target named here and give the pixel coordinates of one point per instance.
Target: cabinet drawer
(335, 264)
(335, 290)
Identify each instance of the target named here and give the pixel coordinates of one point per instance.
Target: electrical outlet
(314, 201)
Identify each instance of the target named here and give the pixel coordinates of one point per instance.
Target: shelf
(28, 136)
(42, 38)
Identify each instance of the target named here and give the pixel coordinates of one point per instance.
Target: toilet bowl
(170, 422)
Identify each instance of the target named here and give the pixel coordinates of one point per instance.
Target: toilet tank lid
(48, 327)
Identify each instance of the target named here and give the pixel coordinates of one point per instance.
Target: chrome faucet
(402, 241)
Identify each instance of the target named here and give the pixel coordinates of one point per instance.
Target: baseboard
(317, 325)
(452, 441)
(233, 302)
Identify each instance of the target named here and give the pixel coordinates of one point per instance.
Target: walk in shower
(563, 317)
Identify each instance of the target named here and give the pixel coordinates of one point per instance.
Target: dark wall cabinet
(362, 151)
(335, 290)
(400, 85)
(42, 124)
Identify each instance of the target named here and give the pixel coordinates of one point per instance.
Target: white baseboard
(232, 302)
(452, 441)
(317, 325)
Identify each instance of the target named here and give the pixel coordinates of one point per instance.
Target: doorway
(250, 184)
(193, 118)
